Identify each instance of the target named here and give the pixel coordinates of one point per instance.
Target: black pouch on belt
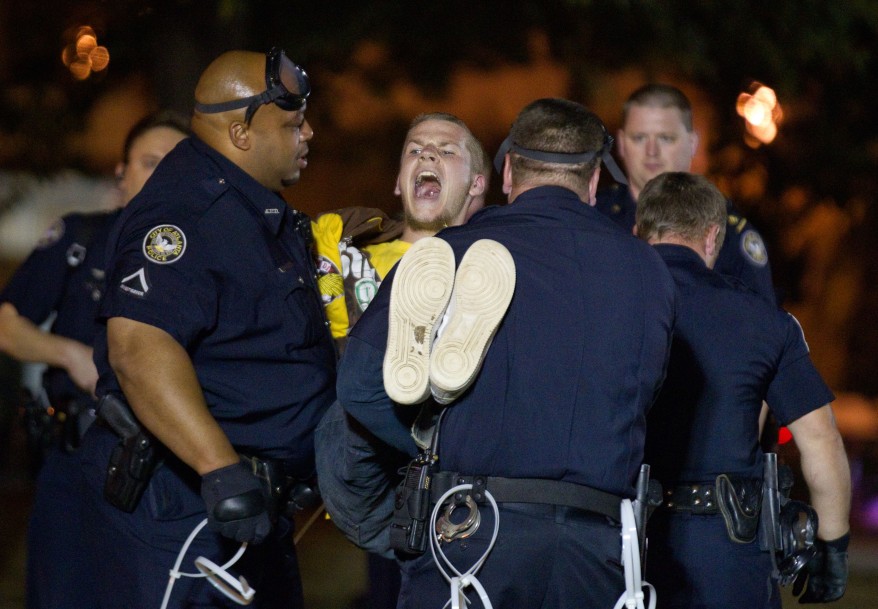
(740, 500)
(411, 510)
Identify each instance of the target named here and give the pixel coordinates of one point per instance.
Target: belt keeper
(460, 496)
(694, 498)
(480, 483)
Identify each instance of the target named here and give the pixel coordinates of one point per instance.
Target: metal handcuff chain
(632, 598)
(460, 581)
(238, 590)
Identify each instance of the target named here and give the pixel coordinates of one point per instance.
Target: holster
(38, 424)
(789, 527)
(740, 501)
(133, 460)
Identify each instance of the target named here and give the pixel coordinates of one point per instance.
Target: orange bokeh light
(83, 56)
(85, 44)
(762, 114)
(100, 58)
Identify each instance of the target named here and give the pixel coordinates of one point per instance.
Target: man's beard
(434, 225)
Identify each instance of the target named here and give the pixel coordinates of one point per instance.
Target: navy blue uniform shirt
(574, 366)
(743, 254)
(64, 274)
(730, 351)
(207, 254)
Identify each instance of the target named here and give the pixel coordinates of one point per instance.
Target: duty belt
(694, 498)
(528, 490)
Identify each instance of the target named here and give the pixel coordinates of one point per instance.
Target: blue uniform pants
(694, 565)
(58, 567)
(136, 551)
(545, 556)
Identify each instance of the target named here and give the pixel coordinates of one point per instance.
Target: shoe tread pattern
(483, 288)
(420, 293)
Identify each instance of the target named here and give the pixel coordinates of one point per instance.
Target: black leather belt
(694, 498)
(527, 490)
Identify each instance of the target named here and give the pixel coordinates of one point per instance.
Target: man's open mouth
(427, 185)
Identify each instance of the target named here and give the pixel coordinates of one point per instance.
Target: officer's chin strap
(237, 590)
(460, 581)
(632, 598)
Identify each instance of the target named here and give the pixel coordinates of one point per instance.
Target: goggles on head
(282, 78)
(566, 158)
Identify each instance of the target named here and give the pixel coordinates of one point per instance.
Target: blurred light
(80, 69)
(83, 56)
(784, 435)
(100, 58)
(68, 55)
(85, 44)
(762, 114)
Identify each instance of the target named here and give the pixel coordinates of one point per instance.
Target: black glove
(236, 507)
(826, 573)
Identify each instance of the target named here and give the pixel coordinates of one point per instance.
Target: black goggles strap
(565, 158)
(229, 105)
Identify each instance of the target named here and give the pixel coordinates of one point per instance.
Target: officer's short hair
(660, 96)
(685, 204)
(556, 125)
(165, 118)
(478, 157)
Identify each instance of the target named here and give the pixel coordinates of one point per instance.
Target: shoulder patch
(164, 244)
(51, 234)
(753, 248)
(136, 283)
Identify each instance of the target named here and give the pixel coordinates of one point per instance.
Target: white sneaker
(420, 293)
(483, 288)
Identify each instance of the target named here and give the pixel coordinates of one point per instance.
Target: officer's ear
(507, 175)
(239, 134)
(593, 186)
(711, 251)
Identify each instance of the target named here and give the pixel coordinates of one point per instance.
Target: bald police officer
(215, 337)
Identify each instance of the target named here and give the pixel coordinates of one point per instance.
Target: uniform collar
(266, 204)
(553, 192)
(680, 254)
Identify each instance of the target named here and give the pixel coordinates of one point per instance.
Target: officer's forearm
(23, 340)
(825, 469)
(159, 382)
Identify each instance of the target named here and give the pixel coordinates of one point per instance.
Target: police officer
(657, 135)
(731, 350)
(64, 275)
(561, 398)
(216, 337)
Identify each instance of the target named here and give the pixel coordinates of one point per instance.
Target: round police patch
(753, 248)
(52, 234)
(164, 244)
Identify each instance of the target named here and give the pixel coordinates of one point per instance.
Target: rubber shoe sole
(419, 296)
(483, 288)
